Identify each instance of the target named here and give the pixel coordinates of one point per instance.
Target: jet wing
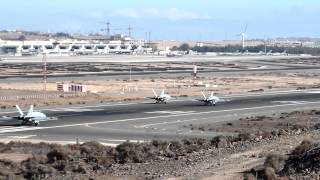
(4, 118)
(151, 98)
(224, 100)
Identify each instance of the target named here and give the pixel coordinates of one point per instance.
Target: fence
(40, 96)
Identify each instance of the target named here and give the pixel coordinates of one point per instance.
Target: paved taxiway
(139, 121)
(254, 64)
(139, 58)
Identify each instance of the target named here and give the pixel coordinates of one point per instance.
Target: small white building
(71, 87)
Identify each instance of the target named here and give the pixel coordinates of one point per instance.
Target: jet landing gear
(161, 102)
(30, 123)
(210, 104)
(35, 123)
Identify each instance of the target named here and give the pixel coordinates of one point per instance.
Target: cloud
(171, 13)
(71, 25)
(310, 9)
(126, 12)
(96, 15)
(152, 12)
(175, 14)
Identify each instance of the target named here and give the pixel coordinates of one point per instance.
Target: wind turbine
(243, 35)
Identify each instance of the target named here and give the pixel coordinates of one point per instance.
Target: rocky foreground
(269, 151)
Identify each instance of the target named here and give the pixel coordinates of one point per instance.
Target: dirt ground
(235, 165)
(217, 158)
(290, 128)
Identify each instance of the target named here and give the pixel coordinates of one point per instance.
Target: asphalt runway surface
(115, 123)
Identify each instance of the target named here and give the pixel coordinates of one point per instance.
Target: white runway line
(290, 102)
(154, 117)
(22, 137)
(170, 112)
(75, 110)
(13, 128)
(76, 107)
(170, 122)
(315, 92)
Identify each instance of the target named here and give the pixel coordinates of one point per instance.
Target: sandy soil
(238, 163)
(233, 166)
(15, 157)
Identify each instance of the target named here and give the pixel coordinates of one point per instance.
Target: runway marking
(170, 112)
(22, 137)
(290, 102)
(181, 121)
(314, 92)
(270, 93)
(75, 110)
(14, 128)
(168, 122)
(154, 117)
(61, 108)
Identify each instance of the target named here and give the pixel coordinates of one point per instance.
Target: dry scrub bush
(275, 161)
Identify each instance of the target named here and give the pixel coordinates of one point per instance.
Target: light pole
(130, 73)
(44, 71)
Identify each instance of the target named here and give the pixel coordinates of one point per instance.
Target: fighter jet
(162, 98)
(31, 118)
(211, 100)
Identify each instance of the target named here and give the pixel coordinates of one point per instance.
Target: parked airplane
(211, 100)
(162, 98)
(31, 118)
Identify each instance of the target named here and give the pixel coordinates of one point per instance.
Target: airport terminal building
(16, 44)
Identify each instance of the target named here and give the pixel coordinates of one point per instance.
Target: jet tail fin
(30, 109)
(162, 92)
(20, 111)
(204, 96)
(154, 92)
(211, 94)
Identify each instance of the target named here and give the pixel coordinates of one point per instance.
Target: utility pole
(146, 40)
(130, 30)
(265, 44)
(44, 71)
(149, 37)
(130, 73)
(108, 28)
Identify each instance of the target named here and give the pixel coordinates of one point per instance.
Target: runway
(115, 123)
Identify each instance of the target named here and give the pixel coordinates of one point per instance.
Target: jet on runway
(31, 118)
(211, 100)
(162, 98)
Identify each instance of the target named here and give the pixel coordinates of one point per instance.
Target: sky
(201, 20)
